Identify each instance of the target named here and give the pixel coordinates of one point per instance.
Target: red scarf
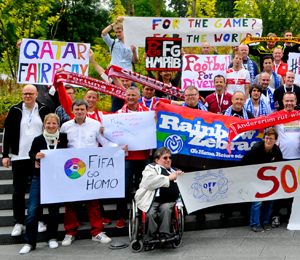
(140, 108)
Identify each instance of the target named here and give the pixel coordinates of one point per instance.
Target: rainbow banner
(200, 138)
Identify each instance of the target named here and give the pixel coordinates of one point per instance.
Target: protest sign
(294, 65)
(82, 174)
(135, 129)
(40, 59)
(239, 184)
(163, 54)
(193, 31)
(199, 138)
(200, 70)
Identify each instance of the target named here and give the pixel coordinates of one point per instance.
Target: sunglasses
(167, 157)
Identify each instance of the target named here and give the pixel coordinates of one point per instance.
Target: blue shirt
(121, 56)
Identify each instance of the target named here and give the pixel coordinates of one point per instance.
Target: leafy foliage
(203, 8)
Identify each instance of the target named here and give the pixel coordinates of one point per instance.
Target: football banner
(249, 40)
(193, 31)
(203, 134)
(200, 70)
(258, 182)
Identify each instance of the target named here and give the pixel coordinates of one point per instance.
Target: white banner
(82, 174)
(40, 59)
(239, 184)
(138, 130)
(294, 65)
(200, 70)
(193, 31)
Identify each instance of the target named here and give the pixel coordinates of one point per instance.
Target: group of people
(240, 91)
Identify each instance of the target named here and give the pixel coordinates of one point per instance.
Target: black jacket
(39, 143)
(11, 136)
(279, 92)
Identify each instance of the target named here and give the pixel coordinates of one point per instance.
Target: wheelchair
(137, 224)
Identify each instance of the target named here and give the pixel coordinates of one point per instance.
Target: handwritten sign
(163, 54)
(239, 184)
(39, 60)
(294, 64)
(193, 31)
(82, 174)
(200, 70)
(135, 129)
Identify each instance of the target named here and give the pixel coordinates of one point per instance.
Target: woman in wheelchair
(157, 195)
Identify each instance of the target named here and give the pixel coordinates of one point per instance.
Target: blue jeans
(260, 212)
(132, 167)
(33, 215)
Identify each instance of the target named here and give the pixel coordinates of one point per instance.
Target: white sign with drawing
(82, 174)
(138, 130)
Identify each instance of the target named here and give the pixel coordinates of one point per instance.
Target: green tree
(22, 19)
(203, 8)
(180, 7)
(225, 8)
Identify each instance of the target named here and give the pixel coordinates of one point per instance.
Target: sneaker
(120, 223)
(41, 228)
(25, 249)
(258, 229)
(266, 226)
(67, 240)
(275, 222)
(101, 237)
(18, 230)
(53, 243)
(106, 221)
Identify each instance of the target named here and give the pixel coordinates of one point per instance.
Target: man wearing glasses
(23, 123)
(191, 97)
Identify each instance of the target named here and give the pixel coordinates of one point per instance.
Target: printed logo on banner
(209, 186)
(174, 143)
(201, 138)
(163, 54)
(74, 168)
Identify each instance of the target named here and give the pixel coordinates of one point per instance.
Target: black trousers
(21, 169)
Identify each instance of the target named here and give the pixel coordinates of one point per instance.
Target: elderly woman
(50, 139)
(158, 193)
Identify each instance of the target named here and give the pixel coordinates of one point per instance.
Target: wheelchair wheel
(136, 246)
(133, 221)
(177, 243)
(180, 222)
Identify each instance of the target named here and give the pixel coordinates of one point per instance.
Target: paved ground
(238, 243)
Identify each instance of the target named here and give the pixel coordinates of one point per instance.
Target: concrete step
(212, 222)
(5, 173)
(6, 201)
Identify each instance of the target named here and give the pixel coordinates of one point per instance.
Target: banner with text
(294, 65)
(135, 129)
(163, 54)
(239, 184)
(40, 59)
(82, 174)
(200, 70)
(199, 133)
(193, 31)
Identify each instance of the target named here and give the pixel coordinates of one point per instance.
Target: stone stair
(7, 223)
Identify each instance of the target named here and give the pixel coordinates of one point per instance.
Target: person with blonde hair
(50, 139)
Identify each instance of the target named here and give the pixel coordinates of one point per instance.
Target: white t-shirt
(28, 131)
(236, 80)
(289, 139)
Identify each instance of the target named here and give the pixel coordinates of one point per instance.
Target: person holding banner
(121, 55)
(276, 80)
(254, 104)
(288, 142)
(191, 97)
(206, 49)
(23, 123)
(279, 66)
(136, 161)
(221, 99)
(157, 195)
(288, 47)
(262, 51)
(84, 132)
(237, 78)
(289, 86)
(265, 151)
(50, 139)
